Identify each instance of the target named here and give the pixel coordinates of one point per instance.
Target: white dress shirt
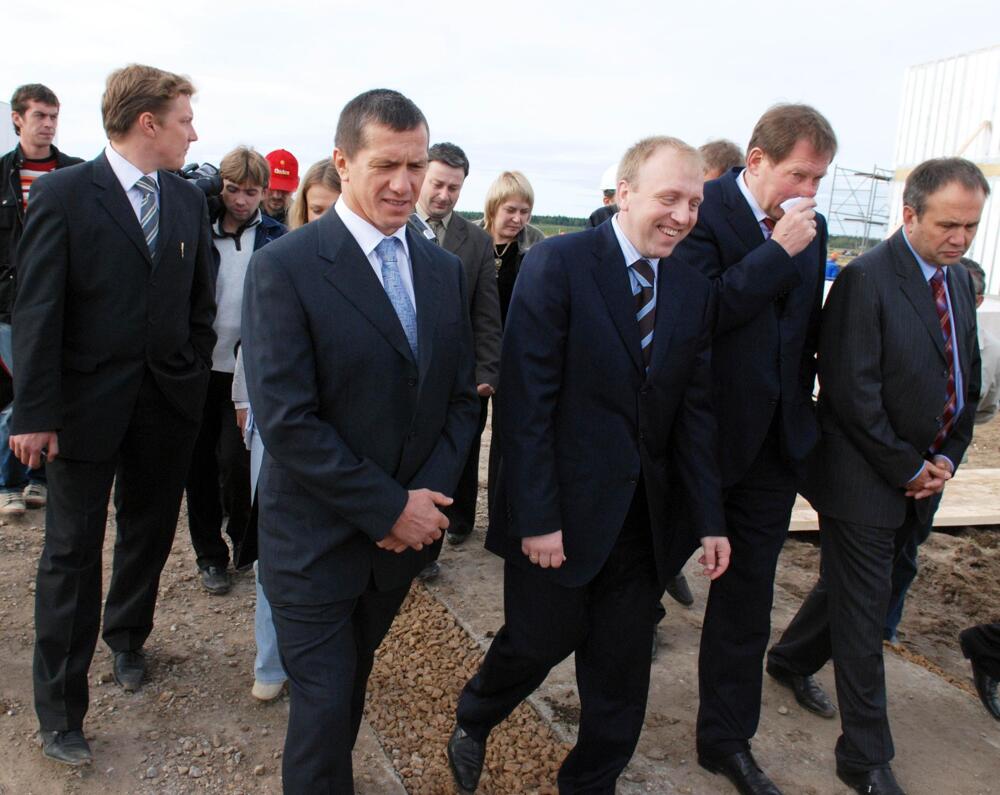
(758, 213)
(368, 237)
(128, 175)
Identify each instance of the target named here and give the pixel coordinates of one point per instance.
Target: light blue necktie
(149, 213)
(393, 284)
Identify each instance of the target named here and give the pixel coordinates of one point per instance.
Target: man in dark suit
(446, 172)
(766, 259)
(604, 399)
(113, 342)
(899, 378)
(359, 364)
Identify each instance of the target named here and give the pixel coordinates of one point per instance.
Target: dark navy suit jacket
(349, 420)
(582, 421)
(767, 329)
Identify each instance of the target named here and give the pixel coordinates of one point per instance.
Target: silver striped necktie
(149, 212)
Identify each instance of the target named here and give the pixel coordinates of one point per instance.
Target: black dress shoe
(986, 686)
(130, 667)
(872, 782)
(465, 758)
(216, 580)
(680, 591)
(806, 689)
(742, 769)
(456, 537)
(69, 747)
(430, 572)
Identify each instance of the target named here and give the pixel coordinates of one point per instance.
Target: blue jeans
(14, 475)
(267, 666)
(904, 572)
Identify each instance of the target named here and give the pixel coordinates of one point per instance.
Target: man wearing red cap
(284, 181)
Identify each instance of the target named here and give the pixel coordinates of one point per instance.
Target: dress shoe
(680, 591)
(465, 758)
(986, 686)
(69, 747)
(806, 689)
(216, 580)
(459, 536)
(742, 769)
(429, 572)
(266, 691)
(35, 495)
(130, 667)
(872, 782)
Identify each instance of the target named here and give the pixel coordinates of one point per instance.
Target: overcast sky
(556, 89)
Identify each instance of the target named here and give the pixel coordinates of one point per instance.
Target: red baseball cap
(284, 170)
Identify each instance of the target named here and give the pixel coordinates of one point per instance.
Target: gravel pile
(419, 670)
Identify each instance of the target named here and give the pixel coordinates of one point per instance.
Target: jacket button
(411, 381)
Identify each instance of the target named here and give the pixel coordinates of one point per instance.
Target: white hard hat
(609, 180)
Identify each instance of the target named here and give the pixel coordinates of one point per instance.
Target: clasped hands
(547, 551)
(931, 478)
(420, 524)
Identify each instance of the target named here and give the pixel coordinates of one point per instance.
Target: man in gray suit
(899, 377)
(447, 169)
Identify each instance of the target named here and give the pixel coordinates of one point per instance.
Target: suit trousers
(904, 571)
(608, 623)
(843, 618)
(148, 471)
(737, 624)
(218, 481)
(981, 644)
(462, 513)
(328, 651)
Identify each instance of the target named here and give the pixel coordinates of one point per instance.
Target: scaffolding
(859, 204)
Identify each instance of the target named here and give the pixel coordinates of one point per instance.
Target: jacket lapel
(426, 289)
(351, 274)
(740, 216)
(112, 197)
(668, 307)
(456, 234)
(169, 204)
(613, 282)
(916, 290)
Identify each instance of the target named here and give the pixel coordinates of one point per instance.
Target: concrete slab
(972, 498)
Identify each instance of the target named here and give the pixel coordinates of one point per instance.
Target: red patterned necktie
(769, 223)
(944, 317)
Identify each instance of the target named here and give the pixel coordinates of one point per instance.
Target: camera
(205, 176)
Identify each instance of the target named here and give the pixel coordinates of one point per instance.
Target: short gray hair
(932, 175)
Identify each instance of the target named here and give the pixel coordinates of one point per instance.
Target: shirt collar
(218, 231)
(126, 173)
(630, 252)
(741, 183)
(426, 217)
(366, 235)
(925, 268)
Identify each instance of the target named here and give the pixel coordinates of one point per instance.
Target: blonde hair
(641, 151)
(244, 164)
(136, 89)
(510, 184)
(324, 173)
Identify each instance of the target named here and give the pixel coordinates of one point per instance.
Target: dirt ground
(195, 728)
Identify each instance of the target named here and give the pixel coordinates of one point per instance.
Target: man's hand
(241, 419)
(420, 524)
(28, 447)
(796, 228)
(930, 480)
(484, 390)
(714, 558)
(545, 551)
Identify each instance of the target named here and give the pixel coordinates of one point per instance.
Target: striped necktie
(645, 306)
(398, 297)
(149, 212)
(951, 398)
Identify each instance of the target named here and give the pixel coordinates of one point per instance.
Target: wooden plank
(973, 498)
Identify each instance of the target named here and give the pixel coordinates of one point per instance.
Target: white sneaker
(266, 691)
(35, 495)
(11, 504)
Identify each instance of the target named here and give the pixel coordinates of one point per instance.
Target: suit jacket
(883, 378)
(581, 419)
(94, 310)
(349, 421)
(764, 350)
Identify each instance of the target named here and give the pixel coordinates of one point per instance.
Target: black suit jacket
(883, 378)
(94, 310)
(474, 247)
(764, 350)
(349, 421)
(581, 419)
